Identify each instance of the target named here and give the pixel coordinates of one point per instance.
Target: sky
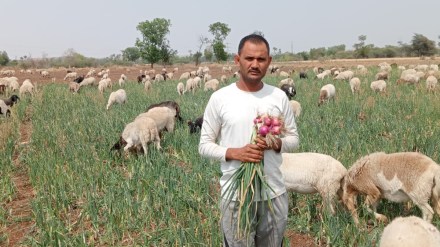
(99, 28)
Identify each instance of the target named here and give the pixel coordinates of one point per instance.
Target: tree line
(153, 47)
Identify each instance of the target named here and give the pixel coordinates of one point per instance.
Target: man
(225, 136)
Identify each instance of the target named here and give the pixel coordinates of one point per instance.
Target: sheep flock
(163, 108)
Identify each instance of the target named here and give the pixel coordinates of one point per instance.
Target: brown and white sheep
(326, 93)
(398, 177)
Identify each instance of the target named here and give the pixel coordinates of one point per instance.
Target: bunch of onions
(248, 182)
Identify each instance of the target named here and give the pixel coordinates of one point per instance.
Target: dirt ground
(215, 69)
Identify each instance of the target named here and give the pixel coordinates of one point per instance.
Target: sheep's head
(322, 97)
(14, 98)
(289, 90)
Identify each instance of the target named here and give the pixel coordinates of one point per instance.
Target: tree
(131, 54)
(4, 58)
(208, 53)
(220, 31)
(362, 50)
(202, 41)
(422, 46)
(154, 47)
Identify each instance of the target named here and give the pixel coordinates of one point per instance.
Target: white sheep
(284, 74)
(344, 75)
(378, 86)
(103, 84)
(74, 87)
(122, 80)
(211, 85)
(409, 78)
(71, 75)
(164, 117)
(184, 76)
(296, 107)
(431, 83)
(180, 88)
(355, 84)
(207, 77)
(147, 85)
(26, 87)
(5, 110)
(223, 79)
(308, 173)
(288, 81)
(398, 177)
(410, 231)
(88, 81)
(326, 93)
(158, 78)
(119, 96)
(190, 85)
(383, 75)
(139, 133)
(198, 81)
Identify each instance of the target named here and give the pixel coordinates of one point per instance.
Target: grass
(86, 196)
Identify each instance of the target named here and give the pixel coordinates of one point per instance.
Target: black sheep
(79, 79)
(289, 90)
(12, 100)
(303, 75)
(196, 125)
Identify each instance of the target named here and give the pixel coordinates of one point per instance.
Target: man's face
(253, 61)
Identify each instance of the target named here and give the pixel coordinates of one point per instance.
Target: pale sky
(99, 28)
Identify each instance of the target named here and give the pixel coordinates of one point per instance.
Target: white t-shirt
(228, 123)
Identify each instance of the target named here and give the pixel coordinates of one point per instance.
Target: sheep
(180, 88)
(147, 85)
(138, 133)
(223, 79)
(296, 107)
(119, 96)
(190, 85)
(184, 76)
(378, 86)
(345, 75)
(26, 87)
(408, 78)
(170, 104)
(103, 84)
(289, 90)
(355, 84)
(11, 100)
(327, 92)
(198, 81)
(159, 78)
(383, 75)
(398, 177)
(283, 74)
(88, 81)
(431, 83)
(71, 75)
(122, 80)
(211, 85)
(74, 87)
(207, 77)
(4, 109)
(169, 75)
(303, 75)
(410, 231)
(195, 125)
(163, 116)
(288, 81)
(45, 74)
(308, 173)
(79, 79)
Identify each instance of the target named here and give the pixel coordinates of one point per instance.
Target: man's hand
(248, 153)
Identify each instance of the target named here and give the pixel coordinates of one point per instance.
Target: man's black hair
(253, 38)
